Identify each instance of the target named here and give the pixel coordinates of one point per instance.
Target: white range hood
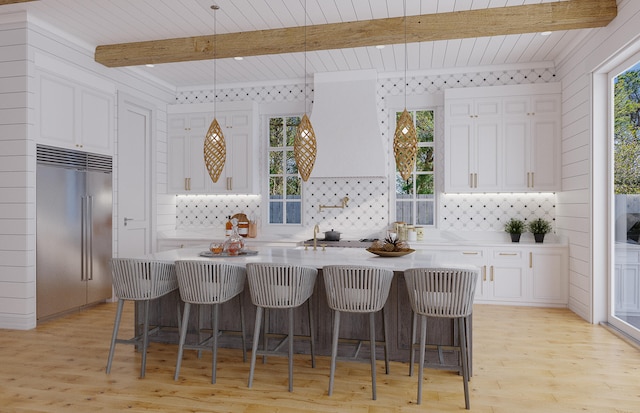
(345, 122)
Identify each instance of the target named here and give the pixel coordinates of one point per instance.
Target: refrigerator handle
(83, 236)
(89, 275)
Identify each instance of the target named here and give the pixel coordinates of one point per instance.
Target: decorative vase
(538, 237)
(515, 237)
(234, 243)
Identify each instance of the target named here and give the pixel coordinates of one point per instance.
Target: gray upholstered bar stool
(446, 293)
(139, 280)
(280, 286)
(357, 289)
(208, 283)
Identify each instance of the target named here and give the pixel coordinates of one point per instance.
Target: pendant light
(304, 145)
(215, 148)
(405, 139)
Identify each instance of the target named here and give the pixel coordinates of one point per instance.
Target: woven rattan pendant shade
(304, 148)
(215, 150)
(405, 145)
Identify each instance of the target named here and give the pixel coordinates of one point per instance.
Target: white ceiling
(95, 22)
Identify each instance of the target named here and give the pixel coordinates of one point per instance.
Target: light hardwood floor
(525, 360)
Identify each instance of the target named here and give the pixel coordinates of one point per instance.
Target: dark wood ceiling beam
(3, 2)
(555, 16)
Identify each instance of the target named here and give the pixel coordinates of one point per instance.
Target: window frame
(394, 113)
(267, 159)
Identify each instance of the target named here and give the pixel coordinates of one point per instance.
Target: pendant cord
(306, 91)
(406, 58)
(215, 63)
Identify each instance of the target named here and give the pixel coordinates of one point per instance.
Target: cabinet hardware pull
(469, 252)
(228, 184)
(492, 273)
(508, 253)
(532, 184)
(189, 184)
(475, 180)
(470, 180)
(528, 179)
(484, 273)
(530, 259)
(186, 184)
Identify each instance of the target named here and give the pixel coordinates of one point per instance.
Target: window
(285, 188)
(415, 197)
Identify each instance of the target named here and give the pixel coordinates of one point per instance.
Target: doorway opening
(624, 303)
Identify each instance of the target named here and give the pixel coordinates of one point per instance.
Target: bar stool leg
(334, 348)
(214, 332)
(423, 339)
(372, 339)
(183, 336)
(145, 338)
(256, 338)
(265, 340)
(386, 341)
(290, 349)
(412, 355)
(312, 334)
(465, 361)
(114, 336)
(242, 328)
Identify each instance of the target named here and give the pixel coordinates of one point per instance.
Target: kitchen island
(353, 326)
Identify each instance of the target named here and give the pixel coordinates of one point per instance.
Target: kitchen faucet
(316, 229)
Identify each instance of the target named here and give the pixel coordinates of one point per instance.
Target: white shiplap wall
(17, 180)
(20, 41)
(580, 214)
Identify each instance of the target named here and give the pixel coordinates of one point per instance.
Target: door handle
(127, 220)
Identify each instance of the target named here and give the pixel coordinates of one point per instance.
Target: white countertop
(433, 237)
(319, 258)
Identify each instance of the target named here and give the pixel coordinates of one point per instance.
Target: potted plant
(515, 228)
(539, 227)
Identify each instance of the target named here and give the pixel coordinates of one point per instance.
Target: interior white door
(134, 177)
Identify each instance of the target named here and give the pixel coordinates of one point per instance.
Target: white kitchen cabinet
(236, 177)
(187, 171)
(549, 276)
(519, 274)
(472, 144)
(627, 280)
(74, 116)
(188, 126)
(506, 277)
(531, 143)
(502, 138)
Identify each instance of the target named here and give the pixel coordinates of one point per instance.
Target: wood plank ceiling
(95, 22)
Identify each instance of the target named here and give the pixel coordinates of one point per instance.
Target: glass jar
(234, 244)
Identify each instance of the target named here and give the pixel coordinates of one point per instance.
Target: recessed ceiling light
(545, 33)
(150, 65)
(238, 58)
(380, 46)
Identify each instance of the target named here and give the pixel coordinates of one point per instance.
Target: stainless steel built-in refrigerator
(73, 230)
